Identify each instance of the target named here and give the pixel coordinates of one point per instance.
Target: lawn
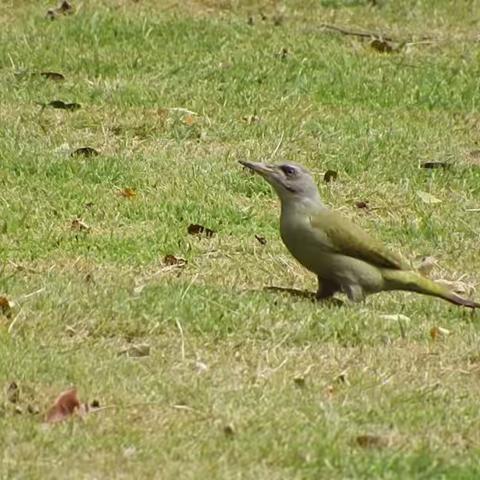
(201, 371)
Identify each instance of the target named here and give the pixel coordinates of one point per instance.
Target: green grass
(296, 382)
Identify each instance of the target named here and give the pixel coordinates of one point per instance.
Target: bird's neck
(302, 206)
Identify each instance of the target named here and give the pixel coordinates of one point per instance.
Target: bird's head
(292, 183)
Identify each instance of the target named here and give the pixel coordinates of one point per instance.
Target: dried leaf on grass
(381, 45)
(261, 239)
(438, 332)
(64, 8)
(85, 152)
(127, 193)
(372, 441)
(65, 405)
(171, 260)
(435, 165)
(136, 350)
(60, 104)
(13, 392)
(330, 176)
(6, 306)
(58, 77)
(196, 229)
(79, 225)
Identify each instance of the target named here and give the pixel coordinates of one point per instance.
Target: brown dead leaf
(439, 332)
(299, 381)
(127, 193)
(362, 204)
(261, 239)
(58, 77)
(189, 120)
(196, 229)
(60, 104)
(13, 392)
(85, 152)
(372, 441)
(79, 225)
(330, 176)
(66, 404)
(6, 306)
(137, 350)
(250, 119)
(435, 165)
(64, 8)
(170, 260)
(381, 45)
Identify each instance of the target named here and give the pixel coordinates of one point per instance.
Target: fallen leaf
(372, 441)
(330, 176)
(250, 119)
(342, 378)
(438, 332)
(85, 152)
(64, 8)
(381, 45)
(138, 350)
(79, 225)
(58, 77)
(261, 239)
(66, 404)
(127, 192)
(13, 392)
(299, 381)
(189, 120)
(63, 105)
(229, 430)
(6, 306)
(362, 205)
(428, 198)
(433, 165)
(283, 53)
(170, 259)
(196, 229)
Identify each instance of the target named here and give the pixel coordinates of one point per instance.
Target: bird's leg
(354, 292)
(326, 289)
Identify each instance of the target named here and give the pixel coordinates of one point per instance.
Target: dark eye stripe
(288, 170)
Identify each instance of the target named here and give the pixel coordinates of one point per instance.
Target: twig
(356, 33)
(277, 147)
(182, 338)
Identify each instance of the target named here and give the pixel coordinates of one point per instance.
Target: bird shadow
(304, 294)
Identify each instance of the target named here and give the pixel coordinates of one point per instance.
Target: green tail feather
(413, 282)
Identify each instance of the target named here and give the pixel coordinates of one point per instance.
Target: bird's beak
(260, 168)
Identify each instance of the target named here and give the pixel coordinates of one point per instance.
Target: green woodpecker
(342, 255)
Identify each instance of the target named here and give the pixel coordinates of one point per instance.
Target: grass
(240, 382)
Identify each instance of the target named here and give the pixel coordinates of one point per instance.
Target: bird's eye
(288, 170)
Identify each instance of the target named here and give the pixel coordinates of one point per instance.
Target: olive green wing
(338, 234)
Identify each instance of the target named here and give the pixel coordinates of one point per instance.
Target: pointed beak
(260, 168)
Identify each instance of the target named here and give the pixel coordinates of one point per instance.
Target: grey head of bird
(293, 183)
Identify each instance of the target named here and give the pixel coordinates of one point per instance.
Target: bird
(344, 257)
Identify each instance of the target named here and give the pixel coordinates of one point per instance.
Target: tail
(413, 282)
